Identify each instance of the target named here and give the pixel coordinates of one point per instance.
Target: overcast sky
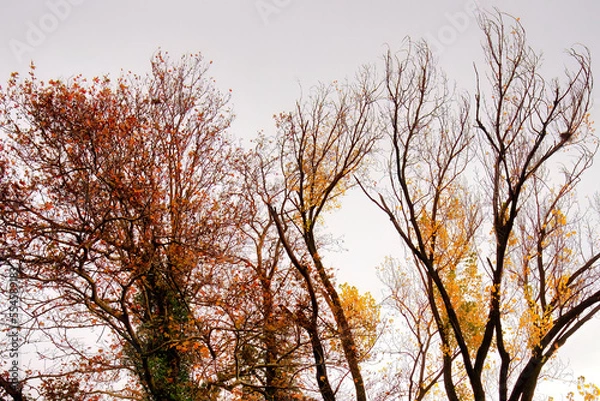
(265, 49)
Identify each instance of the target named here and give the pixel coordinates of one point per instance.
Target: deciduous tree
(322, 143)
(505, 302)
(119, 215)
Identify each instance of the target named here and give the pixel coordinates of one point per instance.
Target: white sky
(264, 49)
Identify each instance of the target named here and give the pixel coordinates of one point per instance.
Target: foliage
(486, 218)
(363, 315)
(119, 210)
(203, 269)
(587, 391)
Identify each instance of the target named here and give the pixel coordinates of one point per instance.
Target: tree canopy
(200, 269)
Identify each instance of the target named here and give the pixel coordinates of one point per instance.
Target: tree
(412, 340)
(272, 352)
(322, 143)
(455, 176)
(120, 214)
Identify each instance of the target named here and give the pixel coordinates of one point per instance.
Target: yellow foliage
(363, 314)
(555, 255)
(586, 391)
(447, 237)
(535, 321)
(466, 290)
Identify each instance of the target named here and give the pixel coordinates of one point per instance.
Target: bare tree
(272, 351)
(322, 143)
(454, 177)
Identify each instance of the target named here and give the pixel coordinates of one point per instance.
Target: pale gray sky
(263, 50)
